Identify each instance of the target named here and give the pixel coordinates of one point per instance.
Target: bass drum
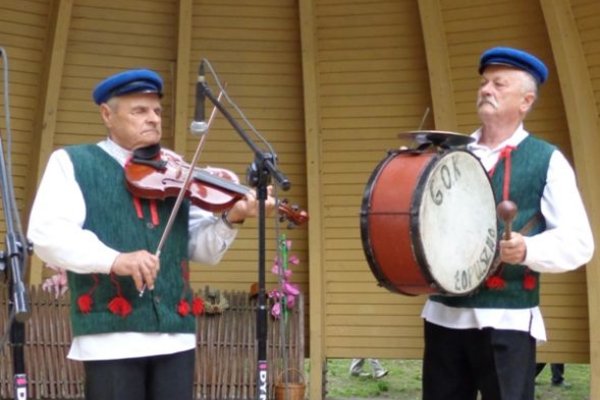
(428, 223)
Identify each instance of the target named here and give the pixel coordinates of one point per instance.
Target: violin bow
(186, 185)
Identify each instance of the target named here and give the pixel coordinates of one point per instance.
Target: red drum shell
(401, 251)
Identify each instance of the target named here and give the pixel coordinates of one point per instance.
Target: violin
(155, 173)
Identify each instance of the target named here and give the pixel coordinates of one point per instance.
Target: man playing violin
(486, 342)
(132, 312)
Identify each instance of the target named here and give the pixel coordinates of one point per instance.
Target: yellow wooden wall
(102, 42)
(372, 85)
(254, 48)
(23, 29)
(570, 26)
(330, 84)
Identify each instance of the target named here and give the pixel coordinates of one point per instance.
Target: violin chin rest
(147, 153)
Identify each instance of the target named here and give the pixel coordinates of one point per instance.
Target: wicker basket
(293, 390)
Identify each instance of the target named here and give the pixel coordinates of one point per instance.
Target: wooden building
(329, 84)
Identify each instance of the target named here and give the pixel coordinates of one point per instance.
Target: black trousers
(558, 372)
(165, 377)
(459, 363)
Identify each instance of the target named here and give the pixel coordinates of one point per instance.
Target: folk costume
(486, 341)
(82, 218)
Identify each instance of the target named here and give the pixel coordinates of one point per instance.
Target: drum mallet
(507, 211)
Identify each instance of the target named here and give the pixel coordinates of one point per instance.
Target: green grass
(404, 382)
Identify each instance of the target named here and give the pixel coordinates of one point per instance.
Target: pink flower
(276, 310)
(284, 297)
(294, 260)
(290, 289)
(287, 274)
(290, 301)
(275, 294)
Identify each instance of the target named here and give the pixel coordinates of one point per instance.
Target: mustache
(487, 100)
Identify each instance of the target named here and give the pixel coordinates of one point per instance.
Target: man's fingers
(149, 270)
(137, 279)
(141, 265)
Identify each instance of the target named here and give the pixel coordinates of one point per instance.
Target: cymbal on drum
(438, 138)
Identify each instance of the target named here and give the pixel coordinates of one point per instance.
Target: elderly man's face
(502, 94)
(133, 120)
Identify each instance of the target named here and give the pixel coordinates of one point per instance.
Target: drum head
(454, 224)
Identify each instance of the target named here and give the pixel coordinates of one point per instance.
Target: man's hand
(248, 207)
(514, 250)
(141, 265)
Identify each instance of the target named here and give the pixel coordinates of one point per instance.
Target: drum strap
(532, 223)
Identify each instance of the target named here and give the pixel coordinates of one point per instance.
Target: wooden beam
(312, 129)
(582, 114)
(44, 124)
(438, 65)
(182, 72)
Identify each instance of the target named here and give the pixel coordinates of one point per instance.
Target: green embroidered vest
(112, 216)
(529, 169)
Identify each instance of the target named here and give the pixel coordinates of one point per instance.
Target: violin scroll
(293, 214)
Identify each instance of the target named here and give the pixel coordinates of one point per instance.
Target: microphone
(199, 125)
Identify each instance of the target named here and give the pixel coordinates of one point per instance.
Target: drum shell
(393, 239)
(385, 224)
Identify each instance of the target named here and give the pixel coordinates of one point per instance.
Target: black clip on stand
(14, 257)
(259, 175)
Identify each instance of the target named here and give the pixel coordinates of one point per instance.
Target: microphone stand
(14, 257)
(259, 176)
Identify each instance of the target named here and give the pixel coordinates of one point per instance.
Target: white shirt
(55, 228)
(566, 244)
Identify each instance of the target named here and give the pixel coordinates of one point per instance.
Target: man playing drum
(486, 342)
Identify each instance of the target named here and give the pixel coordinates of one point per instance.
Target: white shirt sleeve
(56, 221)
(209, 237)
(567, 243)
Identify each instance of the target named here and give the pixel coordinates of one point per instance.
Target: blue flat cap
(130, 81)
(514, 58)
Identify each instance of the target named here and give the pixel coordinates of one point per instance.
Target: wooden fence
(226, 354)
